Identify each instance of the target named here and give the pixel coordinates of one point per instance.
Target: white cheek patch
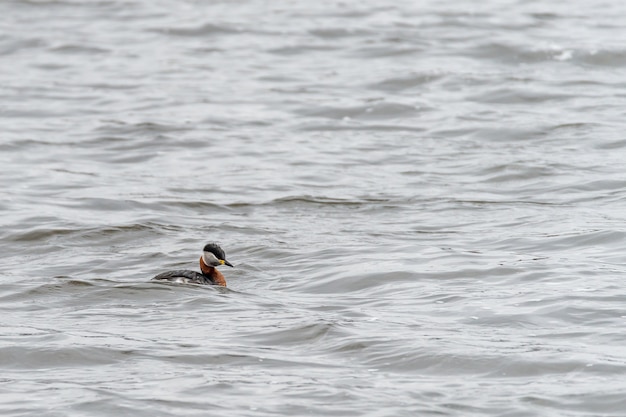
(209, 258)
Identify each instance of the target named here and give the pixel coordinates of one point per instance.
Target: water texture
(424, 203)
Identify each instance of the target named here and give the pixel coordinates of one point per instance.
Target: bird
(212, 257)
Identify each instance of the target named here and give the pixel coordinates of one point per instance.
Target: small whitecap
(564, 56)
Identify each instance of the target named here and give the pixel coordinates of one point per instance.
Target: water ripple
(423, 203)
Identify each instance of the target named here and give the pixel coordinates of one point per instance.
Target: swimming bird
(212, 257)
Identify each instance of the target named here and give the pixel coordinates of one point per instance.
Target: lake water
(425, 204)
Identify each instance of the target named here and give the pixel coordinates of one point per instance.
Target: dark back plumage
(190, 276)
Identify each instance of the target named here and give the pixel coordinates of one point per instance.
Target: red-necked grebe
(212, 257)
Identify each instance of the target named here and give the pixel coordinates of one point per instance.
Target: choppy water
(424, 202)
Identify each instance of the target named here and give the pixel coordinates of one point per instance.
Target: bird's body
(212, 256)
(184, 276)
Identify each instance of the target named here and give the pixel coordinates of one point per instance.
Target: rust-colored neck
(213, 274)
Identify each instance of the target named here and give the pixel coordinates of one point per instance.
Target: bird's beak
(225, 262)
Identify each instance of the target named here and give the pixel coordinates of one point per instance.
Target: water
(424, 202)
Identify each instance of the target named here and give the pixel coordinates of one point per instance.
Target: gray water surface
(424, 203)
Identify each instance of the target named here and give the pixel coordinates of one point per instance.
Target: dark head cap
(215, 249)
